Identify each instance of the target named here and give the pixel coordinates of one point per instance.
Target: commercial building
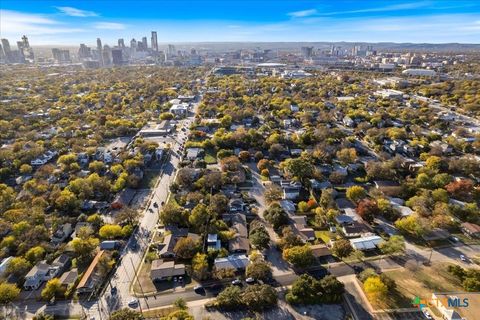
(154, 41)
(419, 72)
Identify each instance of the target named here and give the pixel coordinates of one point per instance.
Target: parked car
(237, 282)
(199, 289)
(250, 280)
(426, 314)
(463, 258)
(133, 303)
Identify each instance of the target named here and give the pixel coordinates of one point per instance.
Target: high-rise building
(121, 43)
(107, 55)
(133, 44)
(99, 49)
(25, 50)
(145, 43)
(7, 50)
(307, 52)
(154, 41)
(60, 55)
(117, 57)
(171, 50)
(84, 52)
(2, 54)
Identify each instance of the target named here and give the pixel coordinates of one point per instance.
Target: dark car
(318, 273)
(113, 291)
(357, 269)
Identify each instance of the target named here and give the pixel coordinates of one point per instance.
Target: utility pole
(141, 288)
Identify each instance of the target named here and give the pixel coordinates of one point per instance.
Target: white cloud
(15, 24)
(109, 26)
(394, 7)
(74, 12)
(303, 13)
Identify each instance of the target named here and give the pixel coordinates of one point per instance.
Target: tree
(166, 116)
(259, 269)
(289, 238)
(180, 304)
(299, 168)
(460, 189)
(244, 156)
(299, 256)
(126, 314)
(85, 246)
(259, 236)
(367, 209)
(375, 289)
(413, 225)
(332, 289)
(259, 297)
(200, 266)
(356, 193)
(128, 215)
(326, 199)
(218, 204)
(67, 201)
(35, 254)
(230, 298)
(96, 166)
(110, 231)
(342, 248)
(263, 164)
(305, 290)
(25, 168)
(394, 245)
(199, 217)
(18, 266)
(52, 289)
(7, 197)
(347, 155)
(272, 193)
(185, 248)
(173, 215)
(276, 216)
(8, 292)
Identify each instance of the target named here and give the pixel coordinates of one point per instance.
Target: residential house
(291, 189)
(471, 229)
(40, 273)
(110, 245)
(236, 262)
(365, 243)
(173, 234)
(389, 188)
(180, 110)
(68, 279)
(62, 233)
(4, 265)
(62, 262)
(81, 225)
(237, 205)
(288, 206)
(213, 243)
(194, 153)
(355, 229)
(164, 270)
(320, 250)
(301, 229)
(239, 243)
(91, 279)
(123, 198)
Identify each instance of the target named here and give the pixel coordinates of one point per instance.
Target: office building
(145, 43)
(7, 50)
(307, 52)
(117, 57)
(171, 50)
(121, 43)
(154, 41)
(60, 55)
(84, 52)
(107, 55)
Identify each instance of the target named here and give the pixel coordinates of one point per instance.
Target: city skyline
(70, 23)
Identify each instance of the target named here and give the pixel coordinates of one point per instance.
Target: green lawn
(150, 178)
(210, 156)
(324, 235)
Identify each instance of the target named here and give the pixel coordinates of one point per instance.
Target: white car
(463, 258)
(426, 314)
(133, 303)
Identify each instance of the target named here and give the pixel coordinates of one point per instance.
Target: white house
(40, 273)
(365, 243)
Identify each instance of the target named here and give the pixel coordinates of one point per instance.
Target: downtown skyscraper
(154, 41)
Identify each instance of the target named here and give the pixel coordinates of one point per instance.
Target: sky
(74, 22)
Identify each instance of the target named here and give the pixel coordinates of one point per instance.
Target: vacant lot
(420, 282)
